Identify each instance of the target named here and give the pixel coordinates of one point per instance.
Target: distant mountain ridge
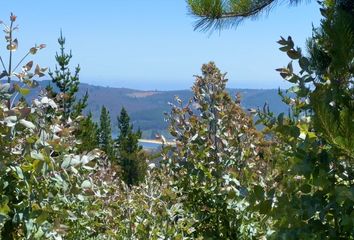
(146, 108)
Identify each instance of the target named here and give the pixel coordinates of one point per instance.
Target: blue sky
(150, 44)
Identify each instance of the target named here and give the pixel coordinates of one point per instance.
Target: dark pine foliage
(131, 157)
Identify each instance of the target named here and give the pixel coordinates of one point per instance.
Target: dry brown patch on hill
(142, 94)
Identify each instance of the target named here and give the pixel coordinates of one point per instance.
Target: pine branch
(218, 14)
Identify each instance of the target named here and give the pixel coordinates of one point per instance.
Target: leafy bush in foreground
(45, 185)
(221, 180)
(218, 159)
(314, 154)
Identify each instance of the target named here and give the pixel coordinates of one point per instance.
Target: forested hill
(146, 108)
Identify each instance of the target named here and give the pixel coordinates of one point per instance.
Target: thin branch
(2, 63)
(10, 58)
(248, 13)
(231, 18)
(21, 61)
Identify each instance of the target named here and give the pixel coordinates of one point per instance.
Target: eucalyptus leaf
(4, 88)
(24, 91)
(86, 184)
(27, 124)
(37, 155)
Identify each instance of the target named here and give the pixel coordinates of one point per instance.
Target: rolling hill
(146, 108)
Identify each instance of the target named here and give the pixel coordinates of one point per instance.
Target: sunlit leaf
(86, 184)
(27, 124)
(24, 91)
(28, 66)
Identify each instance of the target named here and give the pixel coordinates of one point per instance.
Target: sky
(151, 44)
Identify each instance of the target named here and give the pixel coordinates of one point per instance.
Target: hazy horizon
(97, 84)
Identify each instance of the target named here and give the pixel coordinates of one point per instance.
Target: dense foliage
(62, 176)
(105, 133)
(315, 143)
(42, 179)
(217, 158)
(131, 157)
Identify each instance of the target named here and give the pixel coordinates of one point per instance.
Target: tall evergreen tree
(123, 125)
(67, 83)
(79, 106)
(105, 133)
(131, 157)
(88, 134)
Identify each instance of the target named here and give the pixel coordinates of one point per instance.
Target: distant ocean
(147, 145)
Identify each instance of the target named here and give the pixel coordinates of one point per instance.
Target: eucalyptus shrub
(221, 180)
(45, 187)
(218, 159)
(49, 190)
(152, 210)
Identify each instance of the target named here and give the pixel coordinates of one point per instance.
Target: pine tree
(123, 125)
(88, 134)
(79, 106)
(105, 133)
(132, 159)
(67, 83)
